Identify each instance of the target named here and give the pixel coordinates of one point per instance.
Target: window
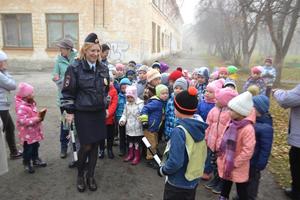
(158, 39)
(153, 37)
(61, 26)
(163, 41)
(17, 30)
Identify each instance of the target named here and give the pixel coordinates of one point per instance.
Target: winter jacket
(175, 166)
(121, 105)
(201, 90)
(28, 122)
(154, 111)
(7, 84)
(171, 119)
(217, 119)
(269, 75)
(130, 116)
(117, 86)
(60, 68)
(291, 99)
(204, 108)
(112, 107)
(141, 84)
(264, 139)
(149, 92)
(260, 83)
(245, 145)
(85, 89)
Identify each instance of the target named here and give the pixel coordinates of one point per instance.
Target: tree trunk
(279, 59)
(246, 60)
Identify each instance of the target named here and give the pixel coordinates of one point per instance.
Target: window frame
(62, 21)
(154, 26)
(4, 31)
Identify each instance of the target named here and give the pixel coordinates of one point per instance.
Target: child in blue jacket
(151, 118)
(184, 169)
(121, 105)
(264, 139)
(180, 85)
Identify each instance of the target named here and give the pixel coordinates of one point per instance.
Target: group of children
(192, 110)
(211, 131)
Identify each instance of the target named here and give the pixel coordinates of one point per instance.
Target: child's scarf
(228, 145)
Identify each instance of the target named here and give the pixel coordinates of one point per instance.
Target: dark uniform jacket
(85, 89)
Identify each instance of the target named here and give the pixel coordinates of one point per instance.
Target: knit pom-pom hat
(24, 90)
(186, 102)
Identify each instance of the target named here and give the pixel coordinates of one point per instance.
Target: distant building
(135, 29)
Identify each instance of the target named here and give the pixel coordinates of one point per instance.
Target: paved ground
(116, 180)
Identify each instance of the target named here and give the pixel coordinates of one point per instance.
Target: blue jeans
(63, 134)
(208, 168)
(30, 151)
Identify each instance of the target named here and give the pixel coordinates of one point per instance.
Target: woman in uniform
(84, 94)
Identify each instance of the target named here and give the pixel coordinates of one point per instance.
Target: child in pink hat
(218, 119)
(134, 131)
(256, 79)
(29, 121)
(203, 109)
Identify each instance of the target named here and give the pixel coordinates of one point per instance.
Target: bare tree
(237, 29)
(251, 12)
(281, 17)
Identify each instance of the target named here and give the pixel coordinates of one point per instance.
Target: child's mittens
(145, 125)
(121, 123)
(144, 120)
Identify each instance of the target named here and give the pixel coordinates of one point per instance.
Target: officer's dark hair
(104, 47)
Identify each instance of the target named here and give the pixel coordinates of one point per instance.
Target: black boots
(39, 163)
(90, 181)
(16, 155)
(80, 184)
(28, 167)
(110, 154)
(63, 153)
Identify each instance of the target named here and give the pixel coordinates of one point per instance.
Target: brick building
(135, 29)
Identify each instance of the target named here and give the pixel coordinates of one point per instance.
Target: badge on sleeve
(67, 80)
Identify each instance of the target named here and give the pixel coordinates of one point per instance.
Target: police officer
(84, 98)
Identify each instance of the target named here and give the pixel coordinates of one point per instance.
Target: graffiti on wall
(118, 50)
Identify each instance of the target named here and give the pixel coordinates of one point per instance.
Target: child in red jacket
(110, 119)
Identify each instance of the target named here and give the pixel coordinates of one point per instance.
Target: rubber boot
(137, 157)
(129, 156)
(28, 167)
(39, 163)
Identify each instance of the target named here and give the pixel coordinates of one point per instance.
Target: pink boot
(129, 156)
(137, 157)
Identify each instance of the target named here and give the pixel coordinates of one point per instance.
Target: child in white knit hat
(237, 146)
